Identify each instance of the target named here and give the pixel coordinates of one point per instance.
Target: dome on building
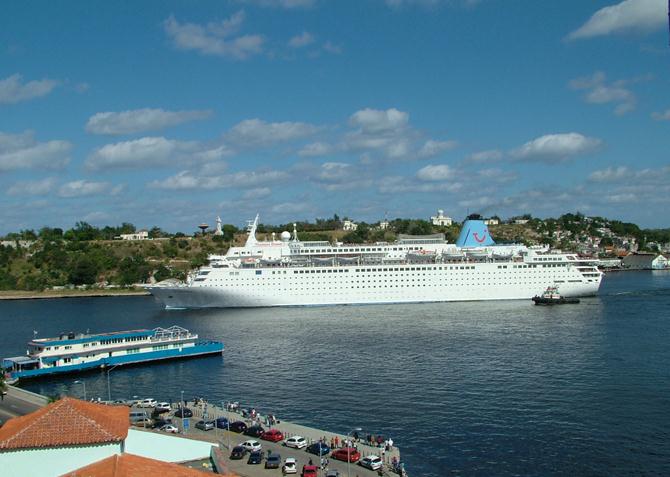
(285, 236)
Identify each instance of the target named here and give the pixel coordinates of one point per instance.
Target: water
(503, 388)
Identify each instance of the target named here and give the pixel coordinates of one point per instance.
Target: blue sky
(171, 113)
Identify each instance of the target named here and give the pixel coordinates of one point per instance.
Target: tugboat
(552, 297)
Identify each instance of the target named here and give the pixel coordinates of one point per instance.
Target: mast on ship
(251, 227)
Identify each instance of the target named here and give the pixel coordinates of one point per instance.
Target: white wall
(165, 447)
(51, 462)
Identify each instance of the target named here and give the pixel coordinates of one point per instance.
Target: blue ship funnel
(474, 233)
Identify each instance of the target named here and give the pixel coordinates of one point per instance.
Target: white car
(251, 445)
(289, 467)
(163, 406)
(169, 428)
(297, 442)
(372, 462)
(147, 403)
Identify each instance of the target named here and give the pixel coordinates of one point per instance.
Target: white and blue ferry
(76, 352)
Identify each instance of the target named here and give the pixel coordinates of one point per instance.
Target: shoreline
(33, 295)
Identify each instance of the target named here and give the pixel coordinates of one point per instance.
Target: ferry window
(48, 348)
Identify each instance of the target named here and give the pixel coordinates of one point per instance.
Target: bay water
(477, 388)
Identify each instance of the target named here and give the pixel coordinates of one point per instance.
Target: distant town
(122, 257)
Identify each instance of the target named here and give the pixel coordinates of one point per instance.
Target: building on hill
(139, 235)
(441, 220)
(219, 228)
(645, 261)
(384, 224)
(349, 225)
(491, 221)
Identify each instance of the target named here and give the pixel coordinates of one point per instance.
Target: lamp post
(109, 388)
(183, 429)
(83, 383)
(355, 429)
(223, 406)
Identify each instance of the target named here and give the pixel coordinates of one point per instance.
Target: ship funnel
(475, 233)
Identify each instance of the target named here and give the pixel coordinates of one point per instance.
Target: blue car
(222, 423)
(319, 448)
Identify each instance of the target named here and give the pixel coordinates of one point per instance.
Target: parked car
(238, 426)
(255, 457)
(289, 466)
(137, 415)
(309, 471)
(319, 448)
(251, 445)
(169, 428)
(345, 453)
(149, 402)
(372, 462)
(272, 435)
(205, 425)
(142, 422)
(221, 423)
(161, 422)
(254, 431)
(297, 442)
(237, 452)
(183, 412)
(162, 407)
(273, 461)
(332, 473)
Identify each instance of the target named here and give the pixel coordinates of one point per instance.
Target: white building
(645, 261)
(140, 235)
(384, 224)
(441, 219)
(349, 225)
(521, 221)
(219, 229)
(491, 221)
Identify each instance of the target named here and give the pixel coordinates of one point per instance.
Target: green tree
(83, 272)
(133, 269)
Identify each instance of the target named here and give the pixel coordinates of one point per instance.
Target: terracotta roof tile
(65, 422)
(129, 465)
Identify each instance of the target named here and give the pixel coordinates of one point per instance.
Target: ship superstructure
(290, 272)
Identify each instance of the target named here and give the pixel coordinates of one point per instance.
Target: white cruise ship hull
(317, 286)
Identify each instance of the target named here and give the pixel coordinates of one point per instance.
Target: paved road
(17, 403)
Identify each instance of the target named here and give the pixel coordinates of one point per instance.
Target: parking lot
(228, 440)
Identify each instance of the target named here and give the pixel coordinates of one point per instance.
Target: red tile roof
(66, 422)
(129, 465)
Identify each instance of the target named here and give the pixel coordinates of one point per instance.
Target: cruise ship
(76, 352)
(290, 272)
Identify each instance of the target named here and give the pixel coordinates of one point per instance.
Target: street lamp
(83, 383)
(227, 422)
(355, 429)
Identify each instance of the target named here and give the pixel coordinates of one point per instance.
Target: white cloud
(287, 4)
(39, 187)
(331, 47)
(491, 155)
(663, 116)
(315, 149)
(629, 15)
(376, 121)
(185, 180)
(140, 120)
(556, 147)
(599, 91)
(143, 152)
(82, 188)
(215, 38)
(256, 132)
(439, 172)
(258, 193)
(12, 90)
(432, 148)
(302, 40)
(610, 174)
(22, 151)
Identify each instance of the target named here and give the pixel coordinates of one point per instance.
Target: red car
(309, 471)
(272, 435)
(346, 453)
